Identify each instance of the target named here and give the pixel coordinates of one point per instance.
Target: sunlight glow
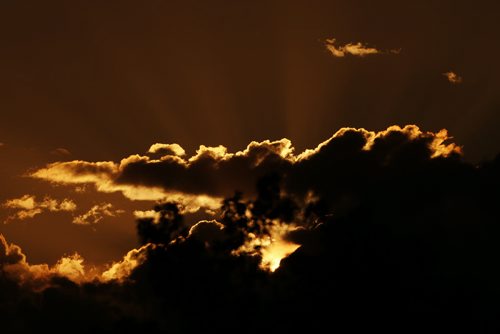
(272, 248)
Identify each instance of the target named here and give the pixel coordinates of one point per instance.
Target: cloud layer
(203, 179)
(387, 230)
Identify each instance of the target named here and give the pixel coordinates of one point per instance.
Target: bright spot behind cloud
(272, 247)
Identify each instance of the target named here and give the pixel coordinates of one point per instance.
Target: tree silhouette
(165, 226)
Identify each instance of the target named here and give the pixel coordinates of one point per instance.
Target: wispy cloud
(354, 49)
(96, 214)
(27, 206)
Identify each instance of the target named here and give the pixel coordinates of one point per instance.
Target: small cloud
(167, 149)
(27, 206)
(60, 151)
(355, 49)
(96, 214)
(148, 214)
(453, 77)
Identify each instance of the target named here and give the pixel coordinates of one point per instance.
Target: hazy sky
(101, 80)
(247, 166)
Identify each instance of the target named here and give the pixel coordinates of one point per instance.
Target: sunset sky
(109, 108)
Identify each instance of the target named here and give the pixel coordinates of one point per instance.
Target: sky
(109, 110)
(99, 82)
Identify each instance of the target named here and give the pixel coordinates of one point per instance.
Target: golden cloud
(14, 265)
(27, 206)
(120, 271)
(354, 49)
(96, 214)
(140, 214)
(437, 142)
(167, 149)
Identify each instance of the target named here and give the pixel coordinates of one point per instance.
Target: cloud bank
(388, 230)
(204, 179)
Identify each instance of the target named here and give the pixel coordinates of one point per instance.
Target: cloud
(10, 253)
(202, 180)
(71, 267)
(14, 265)
(121, 270)
(147, 214)
(354, 49)
(453, 77)
(104, 176)
(27, 206)
(167, 149)
(96, 214)
(392, 227)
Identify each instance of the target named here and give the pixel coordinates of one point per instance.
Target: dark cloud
(389, 231)
(213, 172)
